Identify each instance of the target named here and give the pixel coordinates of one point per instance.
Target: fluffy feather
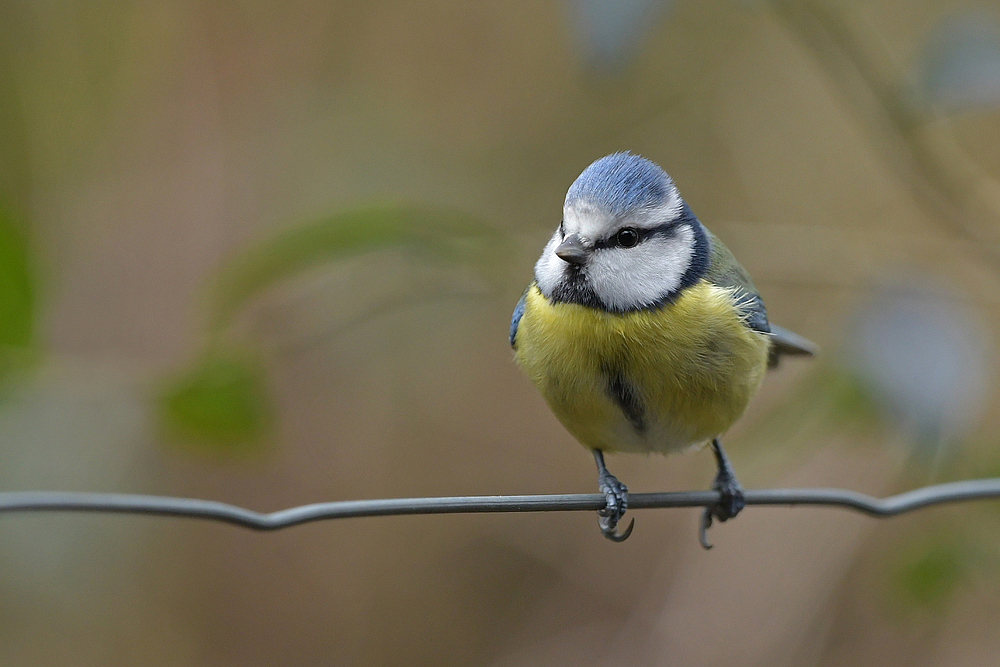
(692, 381)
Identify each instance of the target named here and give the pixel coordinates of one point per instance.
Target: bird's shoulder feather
(515, 319)
(724, 271)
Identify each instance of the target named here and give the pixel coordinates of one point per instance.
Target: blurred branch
(448, 235)
(918, 142)
(59, 501)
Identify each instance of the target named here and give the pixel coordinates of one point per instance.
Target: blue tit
(640, 329)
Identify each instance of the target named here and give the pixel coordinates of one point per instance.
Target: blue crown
(620, 183)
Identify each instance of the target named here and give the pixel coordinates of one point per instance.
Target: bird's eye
(627, 237)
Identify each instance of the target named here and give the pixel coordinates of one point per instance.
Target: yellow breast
(648, 381)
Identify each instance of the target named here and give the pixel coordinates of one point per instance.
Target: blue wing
(516, 317)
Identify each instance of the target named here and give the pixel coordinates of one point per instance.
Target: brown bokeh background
(145, 145)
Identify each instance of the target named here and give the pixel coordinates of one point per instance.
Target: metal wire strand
(61, 501)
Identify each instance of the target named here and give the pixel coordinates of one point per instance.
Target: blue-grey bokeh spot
(922, 354)
(610, 33)
(960, 66)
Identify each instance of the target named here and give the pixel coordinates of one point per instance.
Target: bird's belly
(649, 381)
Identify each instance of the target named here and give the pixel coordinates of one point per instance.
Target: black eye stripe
(666, 230)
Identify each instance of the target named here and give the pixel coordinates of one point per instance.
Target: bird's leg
(617, 502)
(731, 499)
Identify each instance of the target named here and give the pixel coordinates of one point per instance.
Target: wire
(119, 503)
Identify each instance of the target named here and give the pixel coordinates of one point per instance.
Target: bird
(641, 330)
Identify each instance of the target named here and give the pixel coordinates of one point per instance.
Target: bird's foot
(617, 502)
(731, 500)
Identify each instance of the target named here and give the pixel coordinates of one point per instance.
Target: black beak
(572, 250)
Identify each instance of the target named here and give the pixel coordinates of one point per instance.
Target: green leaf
(16, 287)
(442, 235)
(929, 578)
(851, 400)
(221, 402)
(17, 300)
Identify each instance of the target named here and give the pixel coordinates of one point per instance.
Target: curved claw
(706, 523)
(731, 500)
(611, 531)
(616, 495)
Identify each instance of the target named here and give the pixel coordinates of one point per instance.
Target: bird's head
(627, 241)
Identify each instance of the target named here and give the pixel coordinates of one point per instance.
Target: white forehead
(592, 221)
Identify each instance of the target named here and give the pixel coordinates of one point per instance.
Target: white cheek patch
(549, 268)
(622, 278)
(629, 278)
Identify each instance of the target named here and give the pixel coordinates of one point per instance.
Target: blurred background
(266, 253)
